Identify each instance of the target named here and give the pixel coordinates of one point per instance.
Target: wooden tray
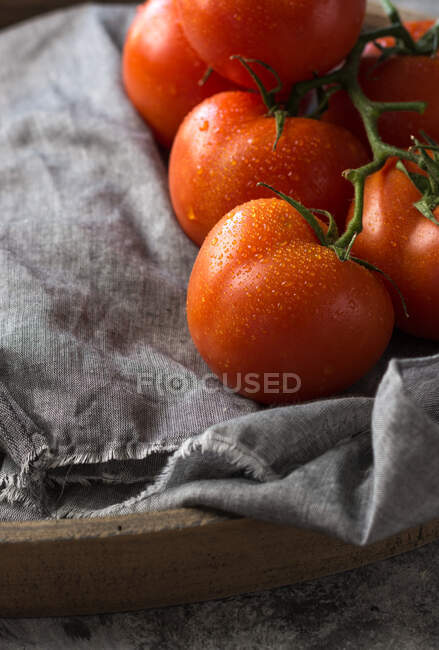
(69, 567)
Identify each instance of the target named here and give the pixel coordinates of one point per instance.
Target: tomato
(399, 240)
(399, 79)
(296, 38)
(225, 147)
(161, 72)
(276, 315)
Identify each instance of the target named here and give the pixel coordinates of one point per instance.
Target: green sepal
(340, 252)
(371, 267)
(426, 209)
(306, 214)
(268, 96)
(350, 245)
(332, 233)
(391, 12)
(431, 145)
(280, 117)
(429, 165)
(405, 44)
(344, 254)
(429, 42)
(419, 181)
(429, 201)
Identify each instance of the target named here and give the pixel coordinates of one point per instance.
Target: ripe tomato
(225, 147)
(161, 72)
(399, 240)
(296, 38)
(399, 79)
(277, 315)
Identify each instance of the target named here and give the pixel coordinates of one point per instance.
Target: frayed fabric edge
(28, 487)
(139, 453)
(236, 455)
(10, 494)
(37, 469)
(25, 487)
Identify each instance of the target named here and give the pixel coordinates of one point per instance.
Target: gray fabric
(93, 266)
(99, 380)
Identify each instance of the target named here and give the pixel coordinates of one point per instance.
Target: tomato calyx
(428, 183)
(268, 96)
(307, 214)
(275, 109)
(330, 239)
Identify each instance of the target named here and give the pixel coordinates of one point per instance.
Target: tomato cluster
(271, 294)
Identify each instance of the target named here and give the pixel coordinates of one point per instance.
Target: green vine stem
(346, 77)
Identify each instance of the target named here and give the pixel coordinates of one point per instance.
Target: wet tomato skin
(296, 38)
(225, 147)
(161, 71)
(399, 240)
(265, 298)
(399, 79)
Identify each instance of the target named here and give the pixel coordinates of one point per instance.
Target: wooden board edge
(139, 570)
(58, 530)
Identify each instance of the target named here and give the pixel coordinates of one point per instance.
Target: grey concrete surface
(393, 605)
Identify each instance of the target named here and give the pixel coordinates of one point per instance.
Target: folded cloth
(105, 405)
(93, 266)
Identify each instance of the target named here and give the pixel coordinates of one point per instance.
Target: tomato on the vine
(162, 73)
(225, 147)
(276, 315)
(294, 37)
(403, 243)
(398, 79)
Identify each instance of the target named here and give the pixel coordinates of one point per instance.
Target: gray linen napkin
(105, 407)
(93, 266)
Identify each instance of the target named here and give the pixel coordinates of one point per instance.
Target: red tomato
(399, 240)
(225, 147)
(161, 72)
(295, 37)
(399, 79)
(278, 316)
